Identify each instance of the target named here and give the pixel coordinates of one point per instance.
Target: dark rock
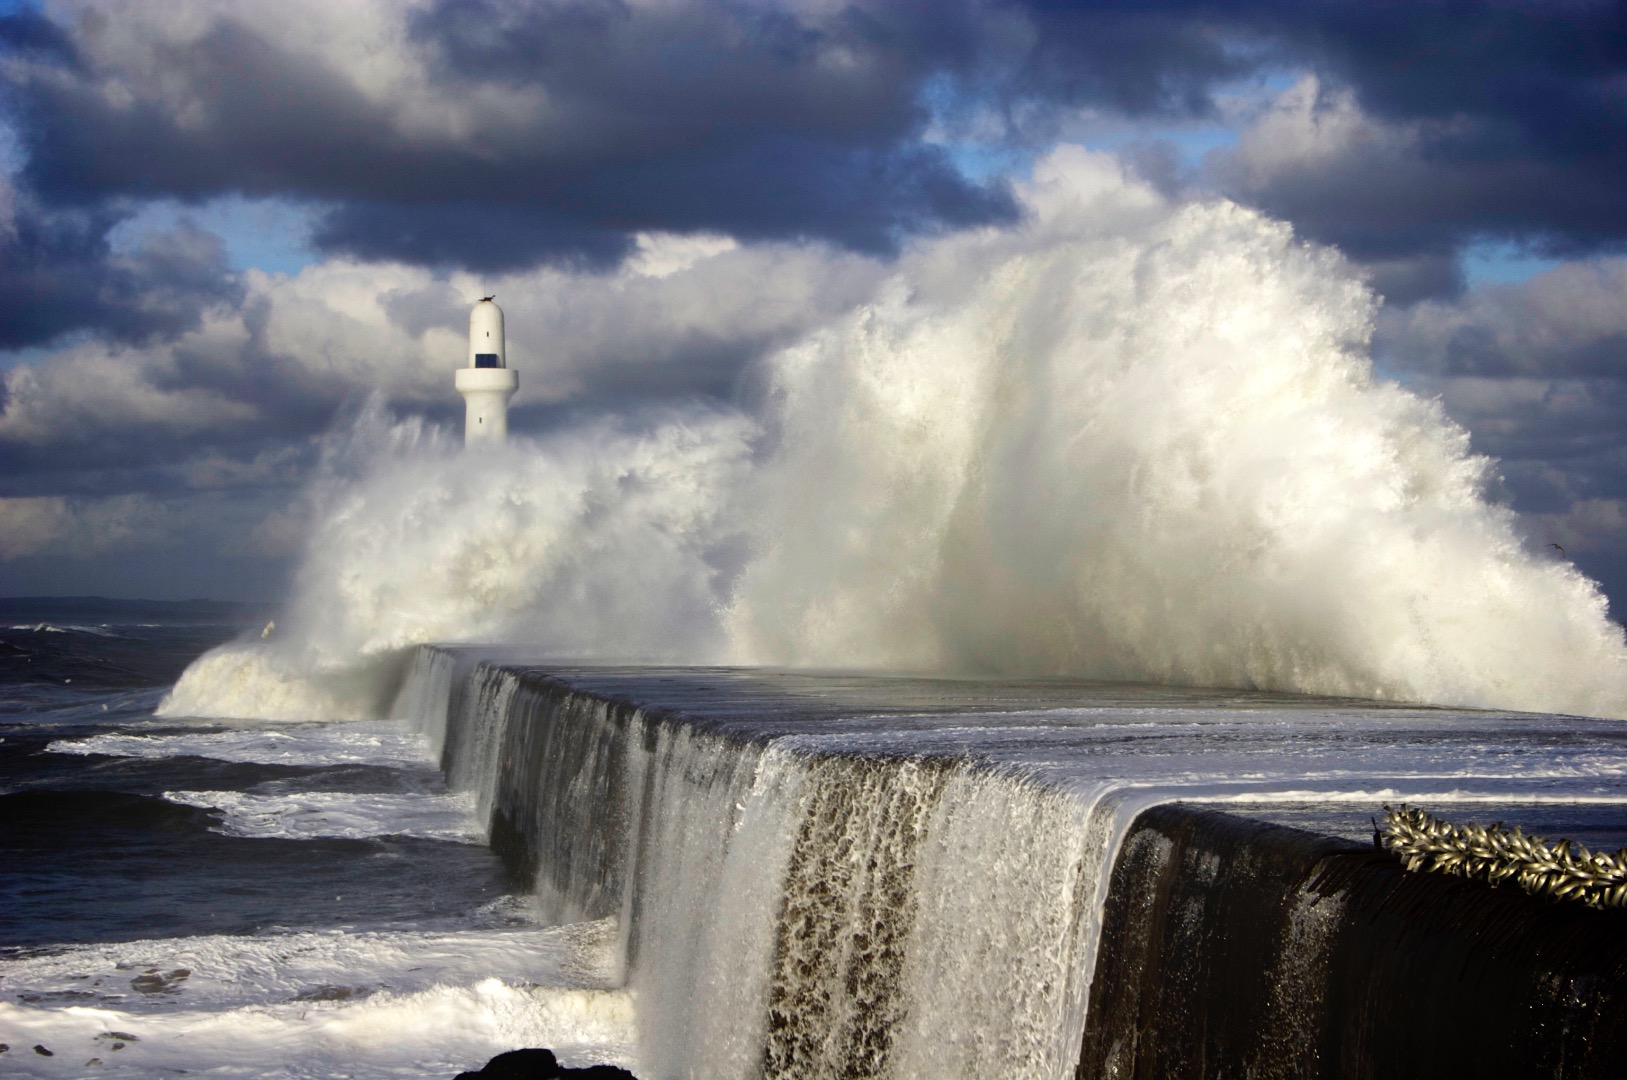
(538, 1064)
(42, 1051)
(518, 1065)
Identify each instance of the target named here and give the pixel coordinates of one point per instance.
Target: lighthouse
(487, 383)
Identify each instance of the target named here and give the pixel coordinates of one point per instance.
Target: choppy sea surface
(303, 898)
(249, 898)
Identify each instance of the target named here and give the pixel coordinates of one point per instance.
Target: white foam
(1141, 440)
(597, 541)
(367, 742)
(308, 815)
(71, 628)
(315, 1004)
(1378, 796)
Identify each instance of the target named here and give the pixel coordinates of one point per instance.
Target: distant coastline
(110, 609)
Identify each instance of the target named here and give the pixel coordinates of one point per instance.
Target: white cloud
(681, 318)
(367, 40)
(212, 470)
(664, 254)
(367, 51)
(1569, 320)
(1399, 195)
(92, 388)
(1307, 126)
(68, 527)
(1589, 525)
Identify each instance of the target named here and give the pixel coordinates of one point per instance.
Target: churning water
(251, 898)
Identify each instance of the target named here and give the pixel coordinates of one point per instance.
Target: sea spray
(1127, 437)
(1137, 439)
(607, 539)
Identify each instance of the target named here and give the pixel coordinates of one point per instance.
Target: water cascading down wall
(846, 876)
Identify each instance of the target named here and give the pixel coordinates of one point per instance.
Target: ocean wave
(365, 1005)
(344, 815)
(1127, 438)
(375, 742)
(70, 628)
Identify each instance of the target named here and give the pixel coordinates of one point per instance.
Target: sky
(225, 223)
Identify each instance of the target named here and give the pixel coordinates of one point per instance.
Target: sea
(232, 897)
(251, 898)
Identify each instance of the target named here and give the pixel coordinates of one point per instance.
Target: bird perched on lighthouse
(487, 383)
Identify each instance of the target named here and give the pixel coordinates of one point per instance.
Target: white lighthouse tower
(487, 383)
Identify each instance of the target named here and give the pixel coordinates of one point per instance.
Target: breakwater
(848, 876)
(1241, 948)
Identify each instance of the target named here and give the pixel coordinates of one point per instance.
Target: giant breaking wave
(1127, 438)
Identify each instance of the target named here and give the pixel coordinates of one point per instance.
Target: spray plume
(1127, 438)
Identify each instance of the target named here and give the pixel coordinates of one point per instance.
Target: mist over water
(600, 542)
(1127, 438)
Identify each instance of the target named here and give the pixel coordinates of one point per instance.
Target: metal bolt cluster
(1494, 855)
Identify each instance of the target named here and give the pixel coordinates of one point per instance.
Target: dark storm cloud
(1570, 322)
(1531, 77)
(1417, 276)
(770, 188)
(1138, 57)
(28, 32)
(569, 125)
(1487, 119)
(1562, 459)
(1537, 371)
(156, 466)
(469, 233)
(1461, 121)
(685, 74)
(59, 273)
(259, 119)
(574, 122)
(1384, 191)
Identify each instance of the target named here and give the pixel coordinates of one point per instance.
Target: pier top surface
(1325, 764)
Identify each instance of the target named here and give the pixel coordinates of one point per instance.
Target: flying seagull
(1561, 550)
